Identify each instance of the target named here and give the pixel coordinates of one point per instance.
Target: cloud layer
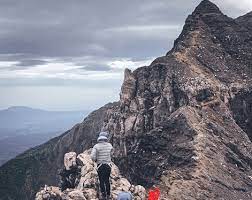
(60, 42)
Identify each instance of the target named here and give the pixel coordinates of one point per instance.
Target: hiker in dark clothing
(101, 154)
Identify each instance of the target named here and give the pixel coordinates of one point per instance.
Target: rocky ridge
(185, 120)
(85, 185)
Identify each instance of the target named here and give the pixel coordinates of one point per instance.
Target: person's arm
(94, 154)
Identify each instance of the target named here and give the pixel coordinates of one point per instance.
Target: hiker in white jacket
(101, 154)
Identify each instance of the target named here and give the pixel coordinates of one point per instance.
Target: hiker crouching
(101, 154)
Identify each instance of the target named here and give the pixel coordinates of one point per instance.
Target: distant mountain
(21, 120)
(23, 127)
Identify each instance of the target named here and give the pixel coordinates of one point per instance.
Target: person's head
(103, 137)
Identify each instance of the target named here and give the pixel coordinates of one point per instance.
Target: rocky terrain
(79, 180)
(185, 120)
(182, 124)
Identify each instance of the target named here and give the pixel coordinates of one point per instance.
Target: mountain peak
(245, 20)
(205, 7)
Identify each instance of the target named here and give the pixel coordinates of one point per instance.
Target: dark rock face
(241, 106)
(183, 123)
(22, 177)
(68, 177)
(165, 147)
(245, 20)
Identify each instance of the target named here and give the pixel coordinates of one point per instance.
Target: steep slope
(21, 178)
(184, 122)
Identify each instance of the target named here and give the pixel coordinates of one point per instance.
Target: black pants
(104, 171)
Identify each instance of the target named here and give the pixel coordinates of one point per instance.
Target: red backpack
(154, 194)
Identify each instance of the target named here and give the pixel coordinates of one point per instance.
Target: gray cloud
(59, 29)
(88, 34)
(114, 28)
(103, 68)
(50, 82)
(31, 63)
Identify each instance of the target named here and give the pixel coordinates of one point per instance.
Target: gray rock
(88, 185)
(70, 160)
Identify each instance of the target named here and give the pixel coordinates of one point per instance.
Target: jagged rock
(76, 195)
(70, 160)
(69, 178)
(90, 193)
(49, 193)
(139, 192)
(128, 87)
(178, 129)
(69, 175)
(88, 187)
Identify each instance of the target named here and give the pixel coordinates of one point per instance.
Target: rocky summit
(183, 124)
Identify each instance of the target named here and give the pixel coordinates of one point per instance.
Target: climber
(101, 154)
(124, 196)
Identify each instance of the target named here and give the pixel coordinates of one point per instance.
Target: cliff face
(183, 123)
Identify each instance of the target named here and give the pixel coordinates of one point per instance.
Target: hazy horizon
(22, 128)
(36, 108)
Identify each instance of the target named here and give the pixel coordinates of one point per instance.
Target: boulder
(70, 160)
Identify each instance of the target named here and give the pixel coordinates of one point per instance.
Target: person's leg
(106, 176)
(102, 178)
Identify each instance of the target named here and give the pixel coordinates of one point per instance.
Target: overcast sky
(70, 54)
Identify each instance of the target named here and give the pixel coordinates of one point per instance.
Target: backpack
(154, 194)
